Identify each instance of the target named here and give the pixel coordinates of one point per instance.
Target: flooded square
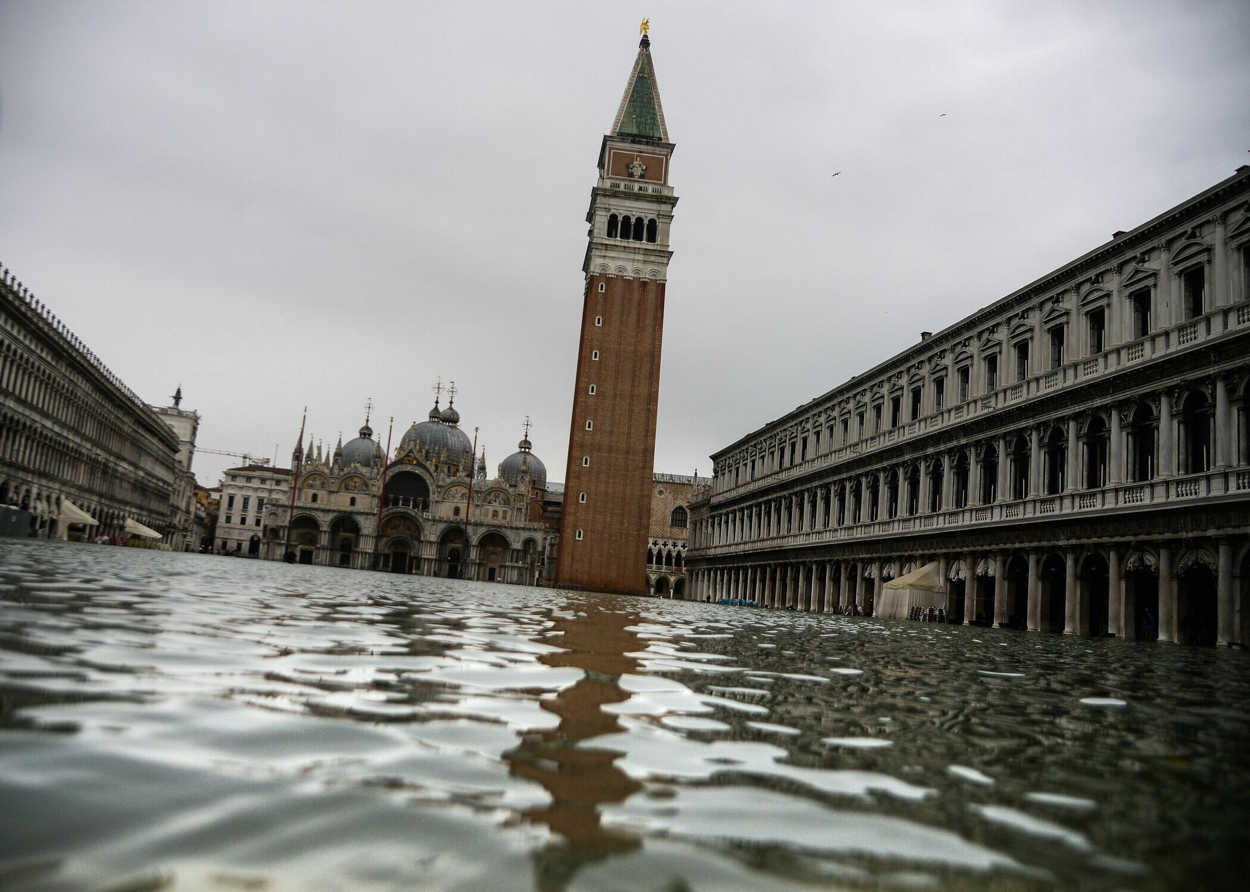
(180, 721)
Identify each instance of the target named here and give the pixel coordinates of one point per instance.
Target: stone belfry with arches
(608, 481)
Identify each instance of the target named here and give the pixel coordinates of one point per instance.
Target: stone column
(820, 507)
(1219, 270)
(1115, 450)
(1167, 596)
(902, 491)
(1163, 291)
(1035, 593)
(1071, 599)
(1167, 458)
(828, 605)
(1035, 462)
(812, 599)
(1223, 427)
(1226, 607)
(861, 582)
(1004, 481)
(922, 497)
(876, 587)
(974, 476)
(1000, 589)
(1115, 598)
(970, 589)
(844, 596)
(1074, 447)
(1116, 332)
(766, 596)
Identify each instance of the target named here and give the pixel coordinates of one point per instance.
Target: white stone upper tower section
(633, 188)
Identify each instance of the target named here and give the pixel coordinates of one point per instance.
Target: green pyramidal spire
(640, 113)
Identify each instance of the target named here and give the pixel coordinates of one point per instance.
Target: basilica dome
(360, 450)
(435, 435)
(524, 460)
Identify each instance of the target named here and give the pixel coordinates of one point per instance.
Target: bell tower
(608, 480)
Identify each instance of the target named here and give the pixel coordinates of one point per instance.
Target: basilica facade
(1074, 457)
(424, 509)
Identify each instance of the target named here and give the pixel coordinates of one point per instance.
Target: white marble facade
(1074, 456)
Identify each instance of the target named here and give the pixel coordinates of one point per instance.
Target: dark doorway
(1017, 594)
(253, 546)
(1196, 606)
(983, 608)
(1054, 593)
(305, 555)
(399, 558)
(955, 610)
(1141, 604)
(1096, 606)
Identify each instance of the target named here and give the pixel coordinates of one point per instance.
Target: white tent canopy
(927, 579)
(70, 514)
(923, 587)
(132, 527)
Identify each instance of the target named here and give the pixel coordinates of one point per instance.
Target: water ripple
(223, 723)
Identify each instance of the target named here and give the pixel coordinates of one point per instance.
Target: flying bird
(837, 173)
(942, 115)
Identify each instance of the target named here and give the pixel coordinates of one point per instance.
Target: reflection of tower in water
(581, 780)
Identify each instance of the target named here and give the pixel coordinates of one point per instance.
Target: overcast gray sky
(279, 205)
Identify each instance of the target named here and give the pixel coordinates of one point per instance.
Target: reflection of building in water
(355, 508)
(670, 520)
(581, 780)
(1073, 457)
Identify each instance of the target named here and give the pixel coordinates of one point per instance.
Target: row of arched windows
(632, 228)
(669, 559)
(993, 471)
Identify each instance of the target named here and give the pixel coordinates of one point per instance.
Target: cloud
(287, 204)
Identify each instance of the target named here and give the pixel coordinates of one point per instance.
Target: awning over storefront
(132, 527)
(71, 513)
(927, 579)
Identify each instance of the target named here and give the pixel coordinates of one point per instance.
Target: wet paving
(183, 721)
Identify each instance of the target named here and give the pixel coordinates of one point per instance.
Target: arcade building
(1073, 457)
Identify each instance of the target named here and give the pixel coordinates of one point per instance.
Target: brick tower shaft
(607, 496)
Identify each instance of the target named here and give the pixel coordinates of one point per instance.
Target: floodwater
(181, 721)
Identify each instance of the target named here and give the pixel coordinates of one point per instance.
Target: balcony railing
(1190, 486)
(1157, 343)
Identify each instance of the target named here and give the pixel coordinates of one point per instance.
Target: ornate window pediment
(1056, 315)
(1139, 277)
(1021, 330)
(1242, 229)
(1194, 251)
(964, 357)
(1094, 296)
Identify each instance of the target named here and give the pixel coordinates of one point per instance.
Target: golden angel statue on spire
(645, 28)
